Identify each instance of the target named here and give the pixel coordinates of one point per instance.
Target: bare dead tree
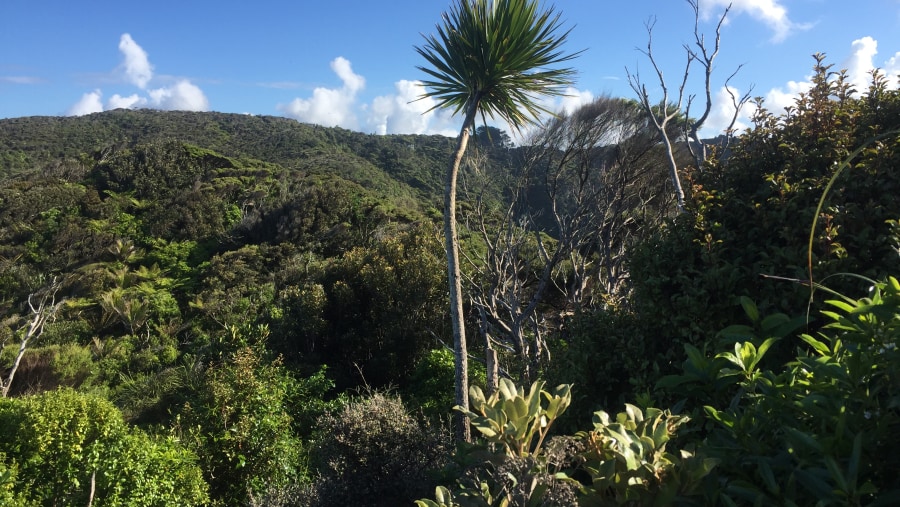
(666, 113)
(509, 281)
(603, 170)
(587, 186)
(43, 306)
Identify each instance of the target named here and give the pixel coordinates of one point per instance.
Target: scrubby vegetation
(248, 311)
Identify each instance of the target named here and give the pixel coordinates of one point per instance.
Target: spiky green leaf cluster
(497, 55)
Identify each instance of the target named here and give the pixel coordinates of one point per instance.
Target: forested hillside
(218, 309)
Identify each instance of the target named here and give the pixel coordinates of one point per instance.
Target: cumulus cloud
(862, 62)
(352, 82)
(892, 68)
(406, 113)
(90, 103)
(330, 107)
(782, 97)
(119, 102)
(770, 12)
(182, 96)
(138, 71)
(136, 66)
(572, 100)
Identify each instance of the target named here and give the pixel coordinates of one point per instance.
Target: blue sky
(351, 63)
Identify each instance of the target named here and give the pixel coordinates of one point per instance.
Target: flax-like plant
(494, 58)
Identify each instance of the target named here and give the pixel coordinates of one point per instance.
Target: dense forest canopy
(208, 308)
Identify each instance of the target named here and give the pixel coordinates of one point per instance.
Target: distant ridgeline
(409, 165)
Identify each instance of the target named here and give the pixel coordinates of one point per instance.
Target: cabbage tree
(493, 58)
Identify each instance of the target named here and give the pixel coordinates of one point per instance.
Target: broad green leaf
(765, 471)
(819, 347)
(750, 308)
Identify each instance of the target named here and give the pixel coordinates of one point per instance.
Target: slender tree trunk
(673, 170)
(451, 238)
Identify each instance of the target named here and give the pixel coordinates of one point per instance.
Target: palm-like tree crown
(495, 56)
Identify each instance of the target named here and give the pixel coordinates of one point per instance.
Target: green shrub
(374, 453)
(431, 385)
(610, 355)
(238, 424)
(70, 447)
(621, 461)
(511, 463)
(747, 233)
(821, 430)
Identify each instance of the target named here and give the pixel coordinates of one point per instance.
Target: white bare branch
(43, 306)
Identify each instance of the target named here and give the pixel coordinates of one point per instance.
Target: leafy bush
(510, 464)
(239, 426)
(71, 447)
(431, 385)
(609, 355)
(628, 462)
(820, 430)
(620, 462)
(374, 453)
(747, 232)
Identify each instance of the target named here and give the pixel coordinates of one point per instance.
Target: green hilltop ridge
(399, 165)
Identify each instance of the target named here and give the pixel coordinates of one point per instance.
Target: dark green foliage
(820, 429)
(385, 305)
(237, 422)
(747, 232)
(753, 212)
(324, 215)
(604, 384)
(430, 387)
(372, 452)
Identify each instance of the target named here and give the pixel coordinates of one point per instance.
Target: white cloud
(861, 63)
(352, 82)
(137, 67)
(182, 96)
(402, 113)
(892, 68)
(119, 102)
(782, 97)
(89, 103)
(771, 12)
(330, 107)
(572, 100)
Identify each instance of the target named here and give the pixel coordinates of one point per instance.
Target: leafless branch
(664, 111)
(43, 306)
